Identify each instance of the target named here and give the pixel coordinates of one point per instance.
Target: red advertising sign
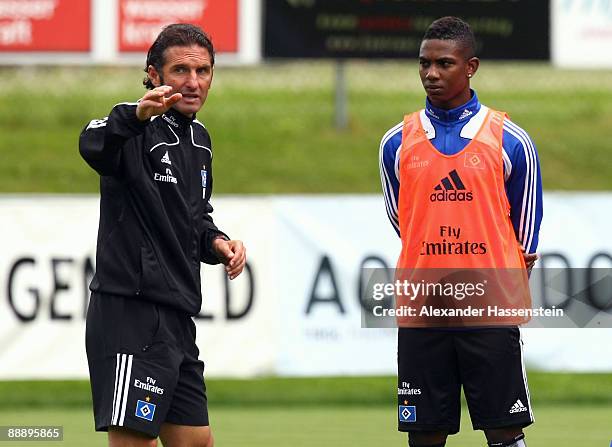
(140, 21)
(45, 25)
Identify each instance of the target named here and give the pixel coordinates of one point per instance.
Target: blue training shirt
(450, 131)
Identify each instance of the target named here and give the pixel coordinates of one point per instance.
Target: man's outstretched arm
(102, 140)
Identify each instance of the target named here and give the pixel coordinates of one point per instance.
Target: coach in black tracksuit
(154, 159)
(155, 185)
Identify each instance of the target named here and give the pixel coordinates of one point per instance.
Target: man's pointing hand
(155, 102)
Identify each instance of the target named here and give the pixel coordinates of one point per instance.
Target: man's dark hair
(453, 28)
(176, 35)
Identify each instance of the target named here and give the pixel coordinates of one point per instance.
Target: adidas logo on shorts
(518, 407)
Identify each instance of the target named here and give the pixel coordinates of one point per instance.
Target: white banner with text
(295, 311)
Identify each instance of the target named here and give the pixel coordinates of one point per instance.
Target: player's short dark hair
(176, 35)
(453, 28)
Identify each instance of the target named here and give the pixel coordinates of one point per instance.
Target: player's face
(445, 72)
(189, 71)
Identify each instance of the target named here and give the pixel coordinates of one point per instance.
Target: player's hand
(155, 102)
(530, 259)
(232, 254)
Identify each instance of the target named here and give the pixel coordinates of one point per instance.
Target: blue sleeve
(523, 185)
(388, 153)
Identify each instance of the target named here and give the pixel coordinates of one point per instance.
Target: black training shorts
(143, 365)
(433, 365)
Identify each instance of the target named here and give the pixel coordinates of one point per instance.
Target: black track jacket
(155, 225)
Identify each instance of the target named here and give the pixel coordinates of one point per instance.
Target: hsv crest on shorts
(145, 410)
(407, 413)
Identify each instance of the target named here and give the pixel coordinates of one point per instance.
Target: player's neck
(459, 100)
(463, 111)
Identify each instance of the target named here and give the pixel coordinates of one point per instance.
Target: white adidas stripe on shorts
(123, 373)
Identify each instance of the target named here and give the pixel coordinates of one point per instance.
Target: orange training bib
(453, 210)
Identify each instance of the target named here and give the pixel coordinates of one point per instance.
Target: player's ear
(153, 76)
(472, 66)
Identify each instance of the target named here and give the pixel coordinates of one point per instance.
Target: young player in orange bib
(462, 189)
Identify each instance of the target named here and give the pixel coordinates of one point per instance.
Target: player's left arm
(523, 182)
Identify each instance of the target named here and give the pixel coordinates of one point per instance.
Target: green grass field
(571, 410)
(272, 124)
(363, 426)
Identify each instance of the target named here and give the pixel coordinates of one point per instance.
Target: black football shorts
(143, 365)
(433, 365)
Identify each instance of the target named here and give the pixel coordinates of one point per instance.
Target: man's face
(189, 71)
(445, 71)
